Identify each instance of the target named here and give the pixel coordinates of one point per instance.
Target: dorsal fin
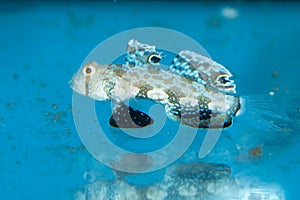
(142, 55)
(203, 70)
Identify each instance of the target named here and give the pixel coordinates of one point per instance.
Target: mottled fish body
(189, 102)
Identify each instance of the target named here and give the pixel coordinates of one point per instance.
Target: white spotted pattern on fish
(177, 94)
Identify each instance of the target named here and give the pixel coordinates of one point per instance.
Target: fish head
(92, 80)
(142, 55)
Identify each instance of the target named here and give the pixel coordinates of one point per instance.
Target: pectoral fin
(127, 117)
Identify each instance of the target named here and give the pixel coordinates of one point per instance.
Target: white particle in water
(229, 13)
(271, 93)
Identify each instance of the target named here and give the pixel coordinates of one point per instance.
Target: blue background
(43, 44)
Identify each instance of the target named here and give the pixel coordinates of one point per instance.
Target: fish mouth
(71, 84)
(76, 85)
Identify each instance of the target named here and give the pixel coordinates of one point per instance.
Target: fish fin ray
(264, 113)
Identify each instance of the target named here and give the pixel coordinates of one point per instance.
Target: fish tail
(263, 112)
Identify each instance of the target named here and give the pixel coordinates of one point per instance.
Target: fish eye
(154, 59)
(88, 70)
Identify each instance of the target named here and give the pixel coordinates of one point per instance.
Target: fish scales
(192, 104)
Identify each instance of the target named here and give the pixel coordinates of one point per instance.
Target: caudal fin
(263, 113)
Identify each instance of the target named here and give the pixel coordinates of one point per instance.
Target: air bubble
(89, 176)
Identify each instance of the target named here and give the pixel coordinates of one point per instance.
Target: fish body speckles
(185, 98)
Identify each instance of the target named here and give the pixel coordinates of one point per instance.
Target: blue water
(43, 44)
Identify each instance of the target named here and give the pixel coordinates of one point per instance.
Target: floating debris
(10, 104)
(41, 99)
(256, 151)
(286, 90)
(55, 117)
(276, 89)
(26, 66)
(275, 73)
(74, 149)
(285, 168)
(68, 132)
(55, 106)
(15, 76)
(229, 13)
(43, 85)
(213, 22)
(271, 93)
